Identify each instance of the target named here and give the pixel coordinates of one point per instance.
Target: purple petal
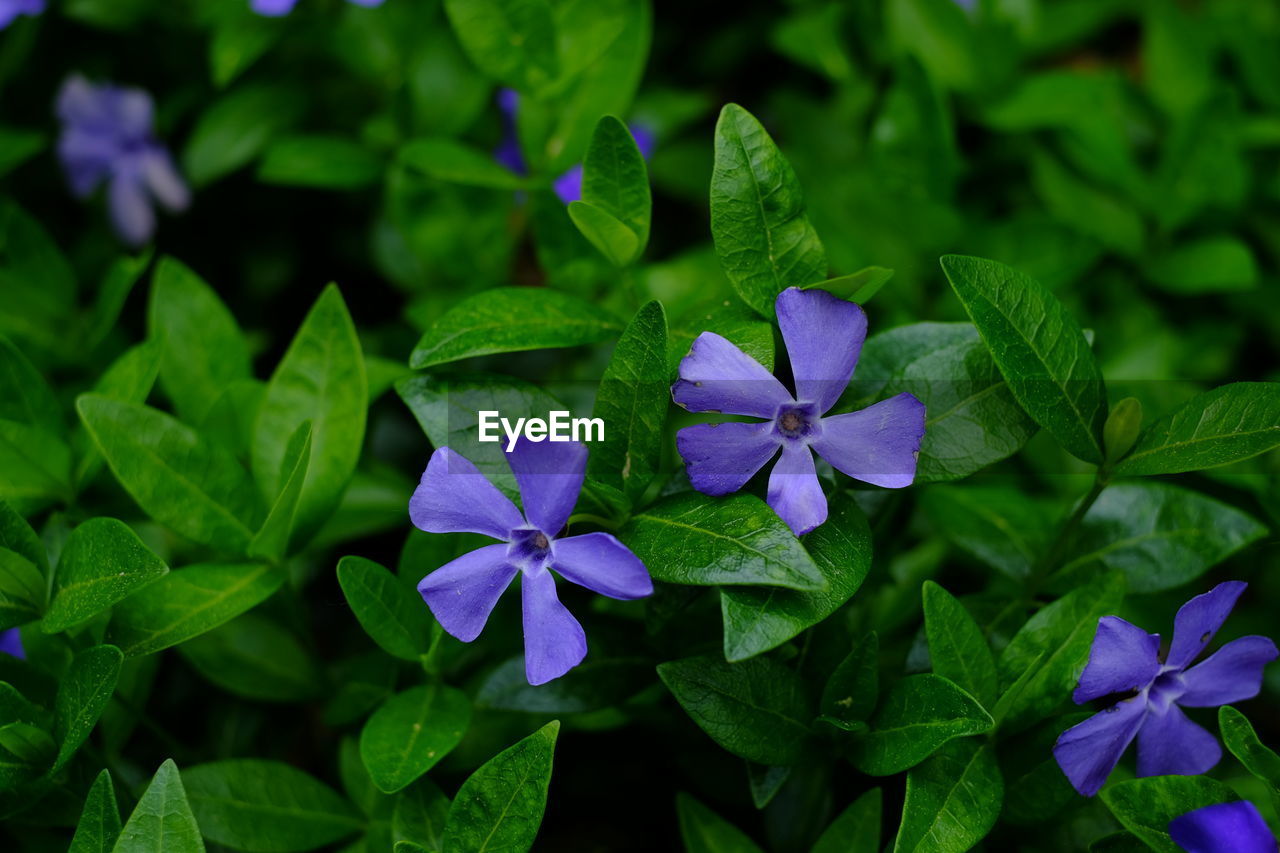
(554, 642)
(130, 209)
(824, 336)
(877, 445)
(11, 9)
(1123, 657)
(721, 458)
(1170, 744)
(86, 158)
(1223, 828)
(1199, 619)
(645, 138)
(163, 180)
(1231, 674)
(716, 376)
(550, 475)
(11, 643)
(602, 564)
(1088, 752)
(454, 497)
(462, 592)
(569, 185)
(273, 8)
(509, 102)
(508, 154)
(794, 491)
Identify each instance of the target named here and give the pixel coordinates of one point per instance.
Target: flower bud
(1121, 429)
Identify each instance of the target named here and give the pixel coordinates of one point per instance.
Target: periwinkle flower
(824, 336)
(454, 497)
(278, 8)
(107, 137)
(11, 9)
(1235, 827)
(1125, 659)
(11, 643)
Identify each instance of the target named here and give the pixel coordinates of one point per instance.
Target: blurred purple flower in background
(1124, 658)
(11, 9)
(824, 336)
(107, 137)
(454, 497)
(277, 8)
(11, 643)
(1223, 828)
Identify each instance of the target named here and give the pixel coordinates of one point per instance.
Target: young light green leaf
(1243, 742)
(1218, 427)
(1145, 806)
(704, 831)
(162, 820)
(129, 378)
(272, 540)
(411, 732)
(187, 602)
(857, 287)
(856, 829)
(512, 319)
(735, 540)
(511, 41)
(1039, 348)
(174, 473)
(957, 649)
(953, 799)
(756, 709)
(615, 182)
(762, 235)
(758, 619)
(321, 379)
(386, 608)
(99, 824)
(265, 806)
(851, 692)
(633, 400)
(102, 563)
(83, 694)
(254, 657)
(500, 805)
(603, 230)
(452, 161)
(919, 714)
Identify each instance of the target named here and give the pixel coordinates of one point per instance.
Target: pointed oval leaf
(162, 820)
(411, 732)
(102, 563)
(919, 714)
(83, 694)
(953, 800)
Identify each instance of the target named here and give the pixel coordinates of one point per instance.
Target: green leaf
(735, 322)
(512, 319)
(99, 824)
(176, 475)
(239, 41)
(593, 685)
(1039, 348)
(615, 182)
(762, 235)
(1159, 535)
(265, 806)
(856, 829)
(613, 238)
(500, 805)
(187, 602)
(204, 349)
(1218, 427)
(1145, 806)
(690, 539)
(321, 162)
(957, 649)
(35, 464)
(17, 146)
(22, 589)
(452, 161)
(26, 751)
(25, 397)
(419, 816)
(83, 694)
(1086, 208)
(236, 128)
(704, 831)
(1220, 264)
(252, 656)
(1053, 646)
(765, 782)
(102, 563)
(952, 801)
(321, 379)
(857, 287)
(130, 379)
(919, 714)
(759, 619)
(633, 400)
(850, 694)
(1000, 526)
(386, 607)
(511, 41)
(272, 539)
(411, 733)
(162, 820)
(756, 709)
(1243, 743)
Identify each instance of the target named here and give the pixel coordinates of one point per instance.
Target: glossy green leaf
(857, 287)
(35, 464)
(603, 230)
(1145, 806)
(25, 397)
(22, 589)
(850, 694)
(386, 607)
(322, 162)
(419, 816)
(856, 829)
(957, 649)
(253, 657)
(83, 694)
(99, 823)
(511, 41)
(762, 235)
(999, 526)
(615, 182)
(1242, 741)
(162, 820)
(130, 378)
(102, 563)
(689, 539)
(756, 709)
(26, 751)
(952, 801)
(917, 715)
(704, 831)
(271, 542)
(500, 805)
(411, 732)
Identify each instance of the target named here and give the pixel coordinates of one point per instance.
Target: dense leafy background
(214, 447)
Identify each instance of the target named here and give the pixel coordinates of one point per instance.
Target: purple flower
(454, 497)
(106, 137)
(1223, 828)
(11, 643)
(11, 9)
(277, 8)
(824, 336)
(1124, 658)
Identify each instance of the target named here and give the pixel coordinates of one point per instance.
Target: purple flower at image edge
(11, 643)
(11, 9)
(823, 335)
(454, 497)
(278, 8)
(1223, 828)
(107, 137)
(1125, 659)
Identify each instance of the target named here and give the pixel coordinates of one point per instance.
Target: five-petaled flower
(454, 497)
(276, 8)
(1235, 827)
(1125, 659)
(824, 336)
(11, 9)
(106, 136)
